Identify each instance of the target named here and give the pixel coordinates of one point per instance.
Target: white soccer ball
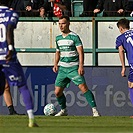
(49, 110)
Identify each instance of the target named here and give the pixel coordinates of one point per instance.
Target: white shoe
(96, 114)
(63, 112)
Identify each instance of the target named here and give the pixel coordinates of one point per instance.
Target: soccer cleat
(96, 114)
(32, 123)
(15, 113)
(63, 112)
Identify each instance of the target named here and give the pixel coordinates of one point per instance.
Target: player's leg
(130, 87)
(27, 99)
(6, 93)
(80, 81)
(130, 84)
(15, 77)
(90, 98)
(8, 100)
(61, 101)
(60, 83)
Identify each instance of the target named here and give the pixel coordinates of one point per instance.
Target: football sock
(90, 98)
(27, 99)
(94, 109)
(131, 94)
(11, 110)
(62, 101)
(30, 114)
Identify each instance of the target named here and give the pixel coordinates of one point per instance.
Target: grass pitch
(67, 124)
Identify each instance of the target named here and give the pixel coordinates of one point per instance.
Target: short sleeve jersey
(68, 49)
(126, 40)
(7, 17)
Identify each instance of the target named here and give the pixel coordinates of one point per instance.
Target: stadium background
(34, 39)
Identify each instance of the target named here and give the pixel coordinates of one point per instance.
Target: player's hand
(9, 56)
(123, 72)
(55, 68)
(81, 70)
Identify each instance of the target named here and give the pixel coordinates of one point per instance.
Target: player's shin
(62, 101)
(131, 94)
(27, 99)
(91, 100)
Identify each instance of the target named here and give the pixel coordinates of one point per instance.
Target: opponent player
(124, 43)
(71, 56)
(5, 90)
(8, 58)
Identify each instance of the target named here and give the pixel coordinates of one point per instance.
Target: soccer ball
(49, 110)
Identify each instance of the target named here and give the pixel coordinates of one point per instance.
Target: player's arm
(81, 59)
(10, 41)
(57, 58)
(122, 59)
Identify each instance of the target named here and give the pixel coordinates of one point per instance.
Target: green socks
(62, 101)
(90, 98)
(88, 95)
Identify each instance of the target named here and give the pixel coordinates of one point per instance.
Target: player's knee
(130, 84)
(83, 88)
(58, 93)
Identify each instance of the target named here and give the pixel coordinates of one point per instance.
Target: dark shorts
(14, 74)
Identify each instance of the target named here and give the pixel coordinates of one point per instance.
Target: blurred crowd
(42, 8)
(57, 8)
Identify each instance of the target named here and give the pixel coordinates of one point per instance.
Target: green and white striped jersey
(68, 52)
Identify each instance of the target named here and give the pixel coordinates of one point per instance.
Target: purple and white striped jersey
(126, 40)
(7, 17)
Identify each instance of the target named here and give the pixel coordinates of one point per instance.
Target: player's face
(64, 25)
(121, 30)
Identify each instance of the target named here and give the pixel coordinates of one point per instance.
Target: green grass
(67, 124)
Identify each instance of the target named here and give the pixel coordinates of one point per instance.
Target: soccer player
(8, 58)
(69, 51)
(124, 43)
(5, 90)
